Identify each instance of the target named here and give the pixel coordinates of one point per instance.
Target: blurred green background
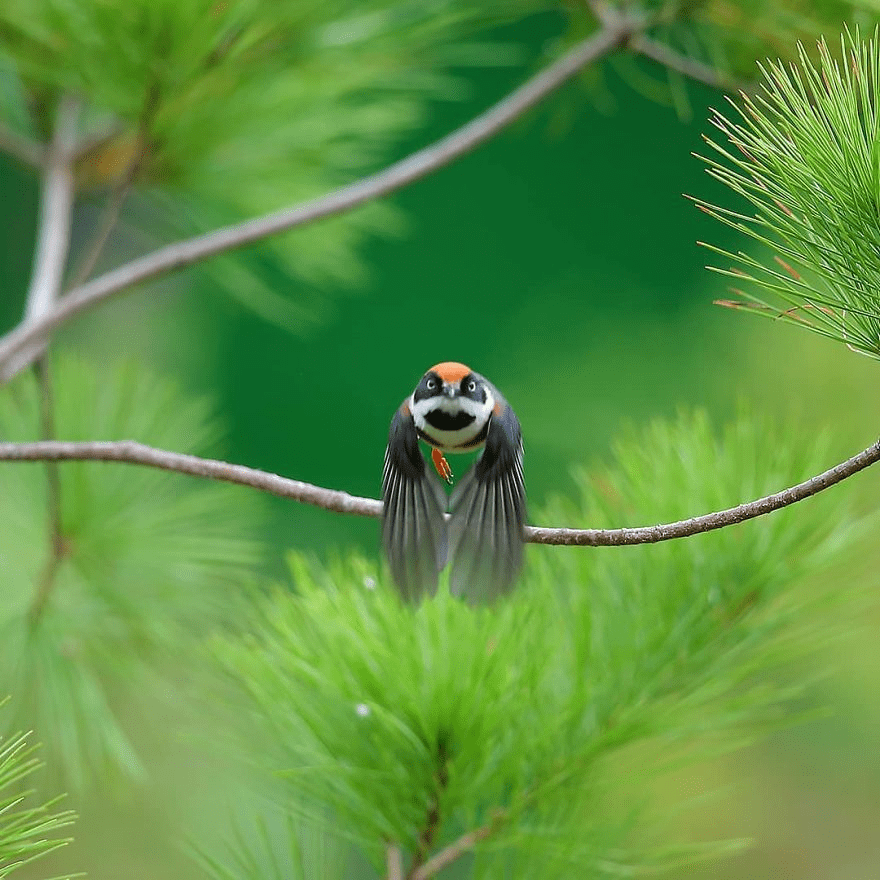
(560, 261)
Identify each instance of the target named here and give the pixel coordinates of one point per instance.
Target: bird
(454, 410)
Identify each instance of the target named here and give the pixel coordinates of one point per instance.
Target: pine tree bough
(408, 170)
(132, 452)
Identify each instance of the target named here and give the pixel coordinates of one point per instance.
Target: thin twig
(689, 67)
(408, 170)
(131, 452)
(22, 148)
(106, 223)
(393, 862)
(113, 208)
(453, 852)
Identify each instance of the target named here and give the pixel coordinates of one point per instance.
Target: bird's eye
(472, 386)
(430, 384)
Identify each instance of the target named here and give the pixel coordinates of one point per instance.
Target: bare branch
(453, 852)
(709, 521)
(53, 231)
(22, 148)
(408, 170)
(56, 201)
(131, 452)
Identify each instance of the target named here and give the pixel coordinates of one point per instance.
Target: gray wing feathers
(488, 513)
(414, 532)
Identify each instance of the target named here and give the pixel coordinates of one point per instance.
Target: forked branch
(131, 452)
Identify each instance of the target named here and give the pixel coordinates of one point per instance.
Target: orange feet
(441, 465)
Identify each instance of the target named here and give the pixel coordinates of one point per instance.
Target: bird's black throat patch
(445, 421)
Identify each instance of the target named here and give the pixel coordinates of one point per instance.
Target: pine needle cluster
(142, 564)
(27, 832)
(805, 155)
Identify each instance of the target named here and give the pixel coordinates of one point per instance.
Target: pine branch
(393, 862)
(402, 173)
(56, 202)
(132, 452)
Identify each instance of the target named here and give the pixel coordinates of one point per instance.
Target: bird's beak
(449, 389)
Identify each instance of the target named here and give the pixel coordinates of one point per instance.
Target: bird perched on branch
(454, 410)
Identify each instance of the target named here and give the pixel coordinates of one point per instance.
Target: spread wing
(414, 531)
(488, 513)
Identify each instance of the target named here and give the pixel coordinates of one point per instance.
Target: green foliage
(423, 724)
(144, 562)
(806, 157)
(26, 832)
(230, 109)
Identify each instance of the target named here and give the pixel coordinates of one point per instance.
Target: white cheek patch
(463, 404)
(419, 410)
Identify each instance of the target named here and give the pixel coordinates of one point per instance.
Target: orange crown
(450, 371)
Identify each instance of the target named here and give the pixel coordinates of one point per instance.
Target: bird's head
(452, 405)
(451, 380)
